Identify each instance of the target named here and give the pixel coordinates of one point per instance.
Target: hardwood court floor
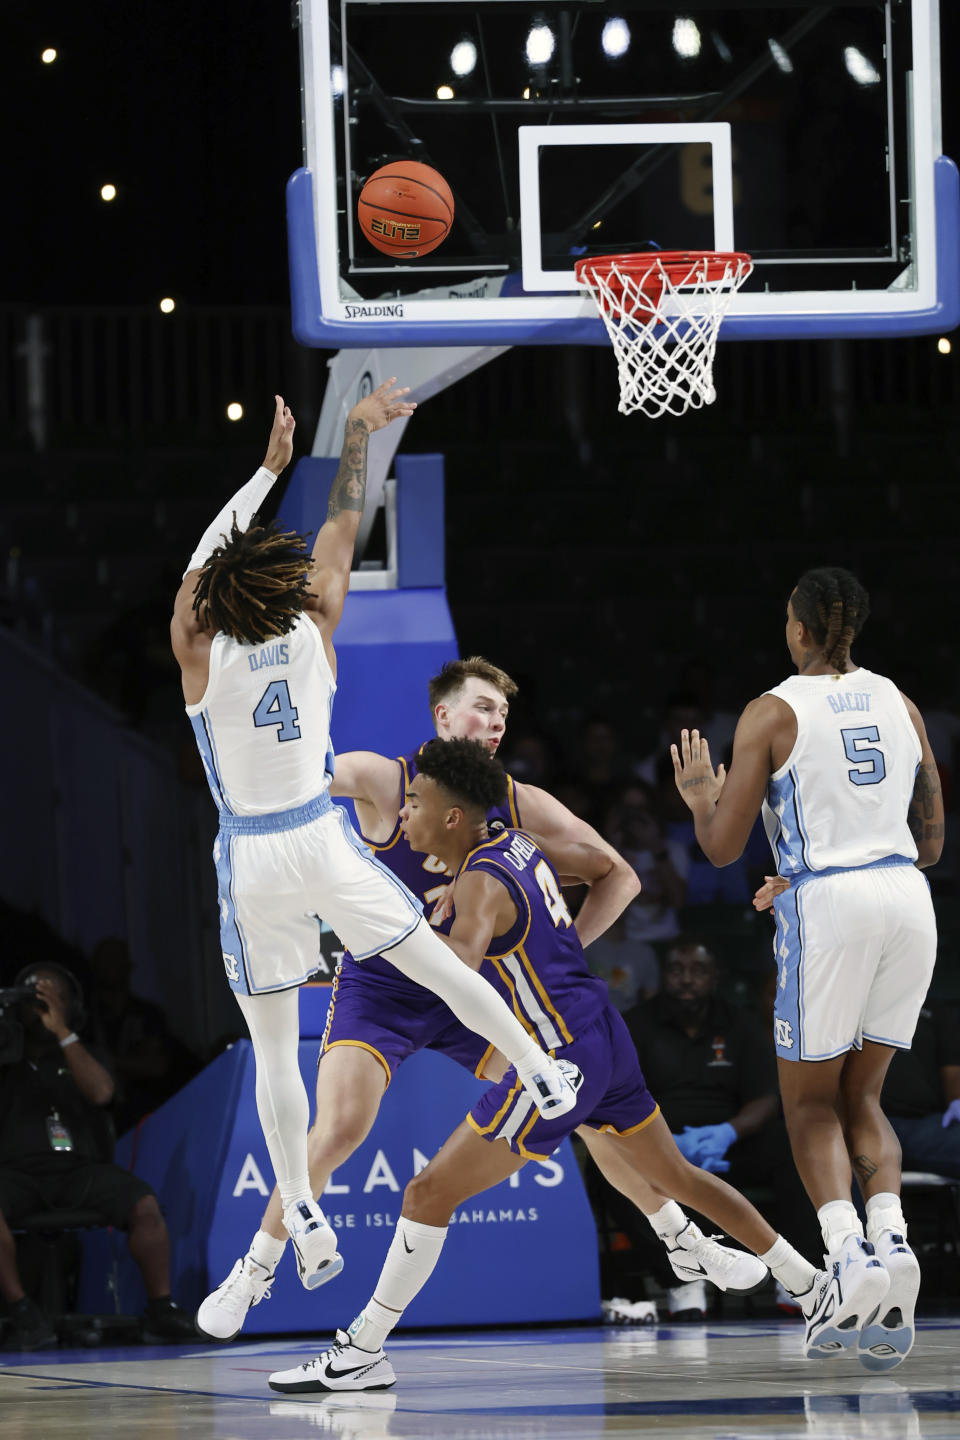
(720, 1380)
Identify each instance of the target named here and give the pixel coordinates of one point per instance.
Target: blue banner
(525, 1250)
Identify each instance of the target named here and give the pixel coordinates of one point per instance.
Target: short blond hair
(446, 686)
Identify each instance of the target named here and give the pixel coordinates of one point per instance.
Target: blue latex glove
(687, 1146)
(951, 1116)
(710, 1145)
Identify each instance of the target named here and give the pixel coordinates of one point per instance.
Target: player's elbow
(722, 852)
(930, 847)
(630, 882)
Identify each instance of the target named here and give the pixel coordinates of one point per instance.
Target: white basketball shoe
(343, 1367)
(222, 1314)
(314, 1244)
(887, 1338)
(695, 1256)
(554, 1087)
(842, 1298)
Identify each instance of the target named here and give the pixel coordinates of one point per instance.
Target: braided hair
(833, 605)
(254, 585)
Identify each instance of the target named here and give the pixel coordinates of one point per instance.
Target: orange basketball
(405, 209)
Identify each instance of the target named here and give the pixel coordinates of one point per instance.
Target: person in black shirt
(54, 1140)
(712, 1068)
(921, 1094)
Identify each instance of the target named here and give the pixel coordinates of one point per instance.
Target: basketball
(405, 209)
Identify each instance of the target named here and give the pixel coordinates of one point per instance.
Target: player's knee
(334, 1136)
(426, 1199)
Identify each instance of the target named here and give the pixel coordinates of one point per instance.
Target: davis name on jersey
(841, 798)
(259, 754)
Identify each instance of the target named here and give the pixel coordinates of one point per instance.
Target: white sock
(410, 1262)
(294, 1190)
(372, 1326)
(668, 1221)
(530, 1063)
(838, 1221)
(789, 1267)
(267, 1250)
(884, 1213)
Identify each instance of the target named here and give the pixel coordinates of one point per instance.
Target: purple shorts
(613, 1097)
(396, 1019)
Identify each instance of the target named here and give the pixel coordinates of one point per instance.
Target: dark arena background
(631, 575)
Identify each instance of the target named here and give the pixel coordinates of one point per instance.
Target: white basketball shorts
(855, 951)
(277, 877)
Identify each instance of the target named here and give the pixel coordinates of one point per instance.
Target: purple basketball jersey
(540, 969)
(539, 966)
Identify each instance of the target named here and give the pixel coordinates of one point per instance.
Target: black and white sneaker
(343, 1367)
(314, 1244)
(843, 1298)
(695, 1256)
(222, 1314)
(554, 1087)
(887, 1337)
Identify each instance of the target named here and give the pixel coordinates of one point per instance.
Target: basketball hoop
(662, 312)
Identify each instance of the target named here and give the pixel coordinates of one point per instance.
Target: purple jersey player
(511, 920)
(377, 1018)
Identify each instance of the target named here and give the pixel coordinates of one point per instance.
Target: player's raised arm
(725, 807)
(611, 890)
(189, 631)
(925, 815)
(333, 547)
(375, 785)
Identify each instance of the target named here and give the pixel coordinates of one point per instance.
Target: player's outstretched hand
(773, 885)
(693, 769)
(382, 405)
(280, 445)
(443, 909)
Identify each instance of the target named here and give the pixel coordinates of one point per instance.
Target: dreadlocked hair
(253, 585)
(466, 770)
(833, 605)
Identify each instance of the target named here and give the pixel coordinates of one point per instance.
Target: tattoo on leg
(865, 1167)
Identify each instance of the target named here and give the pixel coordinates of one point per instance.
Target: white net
(663, 324)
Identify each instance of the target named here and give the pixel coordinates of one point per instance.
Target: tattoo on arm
(926, 790)
(349, 488)
(865, 1167)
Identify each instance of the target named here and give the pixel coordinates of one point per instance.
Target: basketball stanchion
(662, 312)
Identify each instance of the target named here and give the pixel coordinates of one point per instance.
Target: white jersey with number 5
(841, 798)
(263, 725)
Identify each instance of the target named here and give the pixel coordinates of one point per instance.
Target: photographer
(53, 1139)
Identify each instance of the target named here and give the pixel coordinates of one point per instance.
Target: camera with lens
(11, 1031)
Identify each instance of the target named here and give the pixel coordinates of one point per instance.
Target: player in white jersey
(840, 763)
(252, 630)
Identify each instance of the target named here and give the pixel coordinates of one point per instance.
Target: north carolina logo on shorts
(230, 965)
(783, 1033)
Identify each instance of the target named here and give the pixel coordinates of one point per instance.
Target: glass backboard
(806, 135)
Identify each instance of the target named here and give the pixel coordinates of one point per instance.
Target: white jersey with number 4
(841, 798)
(263, 725)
